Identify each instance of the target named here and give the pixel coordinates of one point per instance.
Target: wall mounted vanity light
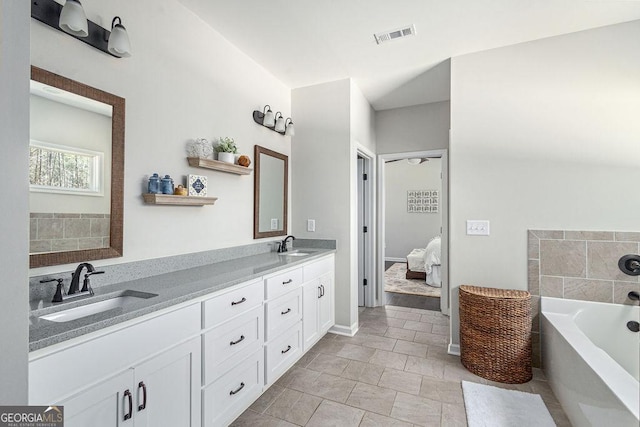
(71, 19)
(275, 122)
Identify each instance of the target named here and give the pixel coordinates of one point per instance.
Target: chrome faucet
(282, 247)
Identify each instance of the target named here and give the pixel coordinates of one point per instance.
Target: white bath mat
(489, 406)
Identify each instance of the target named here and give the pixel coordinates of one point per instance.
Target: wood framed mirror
(76, 171)
(270, 194)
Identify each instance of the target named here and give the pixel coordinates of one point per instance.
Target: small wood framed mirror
(270, 194)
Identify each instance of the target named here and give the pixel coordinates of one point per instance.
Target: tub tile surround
(67, 231)
(335, 384)
(580, 265)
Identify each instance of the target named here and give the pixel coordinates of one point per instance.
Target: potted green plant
(226, 150)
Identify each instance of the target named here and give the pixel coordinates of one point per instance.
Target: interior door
(362, 255)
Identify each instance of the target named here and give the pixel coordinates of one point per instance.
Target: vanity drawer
(221, 308)
(283, 312)
(224, 344)
(282, 283)
(282, 352)
(231, 394)
(318, 268)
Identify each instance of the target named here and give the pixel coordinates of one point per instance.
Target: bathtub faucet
(633, 295)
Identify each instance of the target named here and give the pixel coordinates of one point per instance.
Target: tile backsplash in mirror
(53, 232)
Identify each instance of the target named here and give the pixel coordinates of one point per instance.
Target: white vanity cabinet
(133, 376)
(318, 300)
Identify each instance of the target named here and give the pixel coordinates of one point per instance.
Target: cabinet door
(103, 405)
(167, 388)
(326, 304)
(310, 325)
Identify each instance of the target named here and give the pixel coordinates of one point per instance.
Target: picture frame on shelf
(197, 185)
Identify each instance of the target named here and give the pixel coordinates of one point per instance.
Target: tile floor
(394, 372)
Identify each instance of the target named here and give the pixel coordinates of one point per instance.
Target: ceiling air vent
(398, 33)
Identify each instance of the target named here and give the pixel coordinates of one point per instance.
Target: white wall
(14, 166)
(331, 118)
(57, 123)
(544, 136)
(418, 128)
(183, 81)
(406, 231)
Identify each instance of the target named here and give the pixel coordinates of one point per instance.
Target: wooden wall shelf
(218, 166)
(168, 199)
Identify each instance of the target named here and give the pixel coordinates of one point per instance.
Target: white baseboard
(454, 349)
(344, 330)
(391, 259)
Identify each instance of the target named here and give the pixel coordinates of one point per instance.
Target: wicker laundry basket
(495, 333)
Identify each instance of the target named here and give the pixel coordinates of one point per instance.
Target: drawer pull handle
(319, 292)
(144, 395)
(288, 348)
(232, 392)
(322, 287)
(287, 282)
(238, 302)
(236, 342)
(285, 312)
(127, 393)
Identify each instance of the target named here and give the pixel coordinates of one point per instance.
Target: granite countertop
(170, 289)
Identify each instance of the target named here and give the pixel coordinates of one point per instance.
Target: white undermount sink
(123, 299)
(293, 253)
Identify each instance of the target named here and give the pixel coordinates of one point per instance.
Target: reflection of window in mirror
(57, 168)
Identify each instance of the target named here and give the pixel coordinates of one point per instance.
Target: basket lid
(495, 292)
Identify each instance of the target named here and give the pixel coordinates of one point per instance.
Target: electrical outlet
(311, 225)
(274, 223)
(477, 227)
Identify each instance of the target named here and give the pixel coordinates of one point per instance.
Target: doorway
(413, 220)
(366, 230)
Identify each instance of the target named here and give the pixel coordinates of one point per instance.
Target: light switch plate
(311, 225)
(477, 227)
(274, 223)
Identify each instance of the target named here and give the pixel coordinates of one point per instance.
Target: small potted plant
(226, 150)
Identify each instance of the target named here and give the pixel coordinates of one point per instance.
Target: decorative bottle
(166, 185)
(154, 184)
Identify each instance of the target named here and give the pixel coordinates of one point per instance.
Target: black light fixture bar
(258, 117)
(48, 12)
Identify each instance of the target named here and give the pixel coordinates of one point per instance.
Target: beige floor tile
(431, 339)
(401, 334)
(328, 387)
(356, 352)
(440, 330)
(382, 321)
(298, 377)
(436, 320)
(389, 359)
(417, 410)
(405, 382)
(374, 420)
(406, 315)
(294, 407)
(418, 326)
(456, 372)
(411, 348)
(558, 415)
(327, 346)
(398, 308)
(442, 391)
(441, 353)
(373, 330)
(423, 311)
(306, 359)
(372, 398)
(329, 364)
(428, 367)
(252, 419)
(335, 414)
(267, 398)
(363, 372)
(381, 343)
(454, 415)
